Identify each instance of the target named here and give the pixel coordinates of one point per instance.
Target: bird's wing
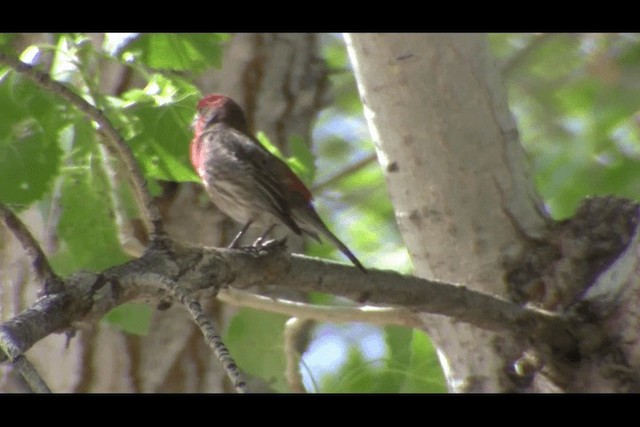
(269, 175)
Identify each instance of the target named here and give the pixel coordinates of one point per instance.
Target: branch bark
(567, 347)
(194, 271)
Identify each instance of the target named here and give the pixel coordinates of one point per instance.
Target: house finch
(246, 181)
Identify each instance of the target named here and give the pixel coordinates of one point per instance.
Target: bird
(248, 183)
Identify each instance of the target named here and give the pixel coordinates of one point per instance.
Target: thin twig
(212, 338)
(292, 330)
(148, 208)
(51, 283)
(367, 314)
(10, 348)
(31, 375)
(343, 173)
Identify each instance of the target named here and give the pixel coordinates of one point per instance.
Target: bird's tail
(343, 248)
(309, 221)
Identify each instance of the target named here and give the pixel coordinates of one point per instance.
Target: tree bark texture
(456, 175)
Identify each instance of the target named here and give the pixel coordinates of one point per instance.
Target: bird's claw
(268, 245)
(262, 241)
(234, 244)
(261, 246)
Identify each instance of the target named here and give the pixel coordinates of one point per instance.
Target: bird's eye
(212, 117)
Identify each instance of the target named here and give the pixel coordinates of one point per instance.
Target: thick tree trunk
(457, 178)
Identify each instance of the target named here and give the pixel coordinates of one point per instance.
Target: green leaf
(343, 82)
(256, 341)
(114, 42)
(544, 61)
(266, 142)
(423, 374)
(86, 227)
(179, 52)
(398, 342)
(334, 52)
(132, 318)
(302, 160)
(355, 376)
(575, 97)
(347, 95)
(5, 40)
(29, 152)
(163, 112)
(410, 366)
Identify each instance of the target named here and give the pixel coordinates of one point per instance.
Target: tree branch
(87, 296)
(325, 313)
(198, 272)
(292, 330)
(419, 295)
(212, 338)
(147, 206)
(44, 273)
(20, 362)
(30, 374)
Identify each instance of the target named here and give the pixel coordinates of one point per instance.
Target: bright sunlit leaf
(179, 52)
(163, 112)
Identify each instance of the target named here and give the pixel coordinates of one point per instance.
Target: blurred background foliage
(575, 98)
